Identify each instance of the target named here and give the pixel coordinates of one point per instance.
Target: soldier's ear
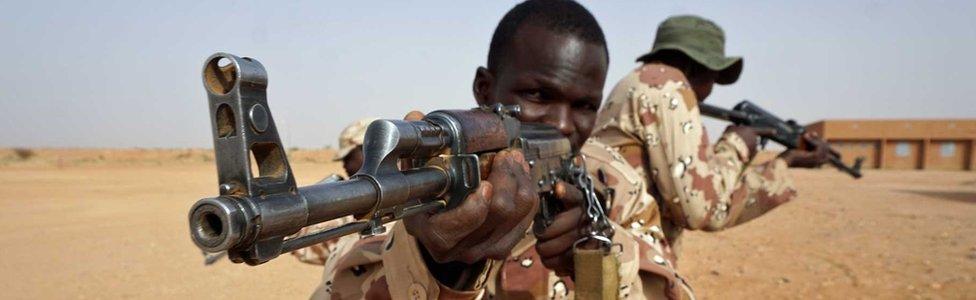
(482, 86)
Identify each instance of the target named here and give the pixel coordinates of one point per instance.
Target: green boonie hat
(700, 39)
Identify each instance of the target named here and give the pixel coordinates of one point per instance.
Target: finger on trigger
(556, 246)
(568, 194)
(563, 223)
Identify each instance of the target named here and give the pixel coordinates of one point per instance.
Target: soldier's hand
(749, 135)
(814, 155)
(489, 222)
(555, 243)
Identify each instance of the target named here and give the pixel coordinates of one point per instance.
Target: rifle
(787, 133)
(258, 210)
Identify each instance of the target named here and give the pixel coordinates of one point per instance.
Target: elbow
(706, 220)
(707, 225)
(706, 216)
(773, 200)
(713, 226)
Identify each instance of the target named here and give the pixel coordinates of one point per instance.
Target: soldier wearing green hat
(650, 148)
(699, 40)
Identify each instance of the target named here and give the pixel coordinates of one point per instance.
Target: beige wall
(947, 155)
(903, 144)
(896, 129)
(851, 150)
(902, 154)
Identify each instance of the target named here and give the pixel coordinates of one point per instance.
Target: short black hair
(559, 16)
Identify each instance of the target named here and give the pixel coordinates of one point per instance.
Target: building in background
(904, 144)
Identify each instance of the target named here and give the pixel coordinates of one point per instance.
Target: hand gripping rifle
(787, 133)
(258, 210)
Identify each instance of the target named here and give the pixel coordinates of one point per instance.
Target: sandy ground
(112, 224)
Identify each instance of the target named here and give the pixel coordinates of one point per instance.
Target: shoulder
(659, 75)
(655, 83)
(611, 172)
(609, 168)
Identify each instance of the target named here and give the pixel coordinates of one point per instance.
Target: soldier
(351, 146)
(651, 149)
(351, 155)
(549, 57)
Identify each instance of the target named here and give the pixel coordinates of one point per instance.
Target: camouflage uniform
(652, 121)
(393, 266)
(664, 175)
(350, 138)
(650, 153)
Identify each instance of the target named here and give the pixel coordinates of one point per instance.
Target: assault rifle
(260, 207)
(770, 127)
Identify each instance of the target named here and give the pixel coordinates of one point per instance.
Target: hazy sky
(127, 73)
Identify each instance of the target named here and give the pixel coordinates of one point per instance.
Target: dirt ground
(112, 224)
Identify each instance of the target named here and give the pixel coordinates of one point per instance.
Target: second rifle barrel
(721, 113)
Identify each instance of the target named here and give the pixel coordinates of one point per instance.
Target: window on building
(947, 149)
(903, 149)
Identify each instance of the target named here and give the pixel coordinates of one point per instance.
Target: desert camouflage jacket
(651, 154)
(652, 122)
(391, 266)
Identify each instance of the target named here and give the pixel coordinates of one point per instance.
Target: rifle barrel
(724, 114)
(837, 163)
(223, 222)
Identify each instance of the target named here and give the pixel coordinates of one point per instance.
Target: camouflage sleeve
(319, 253)
(703, 187)
(407, 275)
(354, 269)
(647, 269)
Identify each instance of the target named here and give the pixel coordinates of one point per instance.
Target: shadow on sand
(960, 196)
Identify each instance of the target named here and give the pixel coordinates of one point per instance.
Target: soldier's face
(702, 83)
(353, 161)
(557, 79)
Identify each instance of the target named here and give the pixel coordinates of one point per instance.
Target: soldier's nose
(561, 116)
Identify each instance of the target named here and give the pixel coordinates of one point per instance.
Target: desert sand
(112, 224)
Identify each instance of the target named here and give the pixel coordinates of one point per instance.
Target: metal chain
(596, 226)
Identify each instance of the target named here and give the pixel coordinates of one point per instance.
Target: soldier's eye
(531, 95)
(586, 105)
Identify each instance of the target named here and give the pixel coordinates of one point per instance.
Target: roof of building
(896, 129)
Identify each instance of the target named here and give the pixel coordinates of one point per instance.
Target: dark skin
(558, 80)
(555, 243)
(353, 161)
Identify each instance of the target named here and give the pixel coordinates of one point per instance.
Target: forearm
(700, 188)
(763, 188)
(726, 191)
